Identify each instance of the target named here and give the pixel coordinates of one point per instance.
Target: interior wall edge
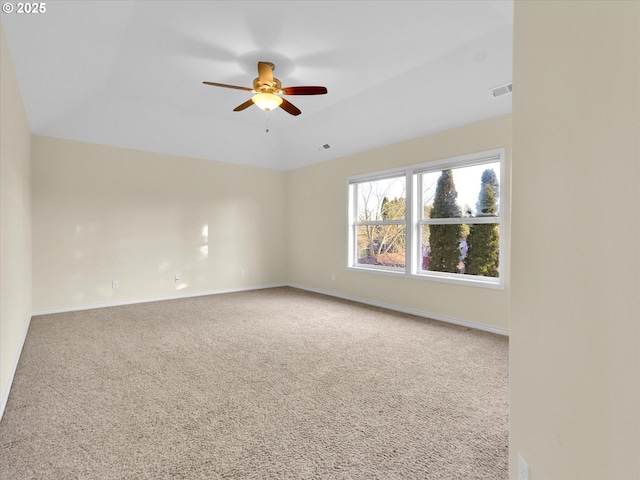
(14, 367)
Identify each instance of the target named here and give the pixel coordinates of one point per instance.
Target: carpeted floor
(266, 384)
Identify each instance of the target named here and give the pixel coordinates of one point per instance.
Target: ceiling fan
(267, 90)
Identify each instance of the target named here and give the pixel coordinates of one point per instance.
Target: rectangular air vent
(502, 90)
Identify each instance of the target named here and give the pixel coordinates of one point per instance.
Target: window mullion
(459, 220)
(379, 222)
(408, 215)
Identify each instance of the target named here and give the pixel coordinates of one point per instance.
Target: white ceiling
(130, 73)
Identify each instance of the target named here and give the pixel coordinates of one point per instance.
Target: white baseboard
(91, 306)
(7, 386)
(410, 311)
(388, 306)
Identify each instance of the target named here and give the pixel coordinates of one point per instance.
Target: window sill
(457, 279)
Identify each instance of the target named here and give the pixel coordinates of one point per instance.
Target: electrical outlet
(115, 284)
(177, 279)
(242, 273)
(523, 468)
(333, 277)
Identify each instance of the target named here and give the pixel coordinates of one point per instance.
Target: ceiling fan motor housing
(267, 87)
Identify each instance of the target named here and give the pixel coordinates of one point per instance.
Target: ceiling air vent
(502, 89)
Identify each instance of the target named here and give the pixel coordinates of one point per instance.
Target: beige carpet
(267, 384)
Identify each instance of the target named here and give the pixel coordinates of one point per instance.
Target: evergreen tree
(483, 238)
(384, 209)
(489, 176)
(444, 240)
(392, 238)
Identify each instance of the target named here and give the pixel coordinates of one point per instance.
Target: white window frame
(354, 223)
(413, 220)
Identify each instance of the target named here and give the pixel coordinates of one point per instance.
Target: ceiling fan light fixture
(267, 101)
(267, 89)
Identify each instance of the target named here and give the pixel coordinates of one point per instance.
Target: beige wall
(318, 229)
(575, 312)
(15, 221)
(103, 213)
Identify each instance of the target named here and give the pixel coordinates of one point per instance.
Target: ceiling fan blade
(265, 72)
(305, 90)
(228, 86)
(289, 107)
(246, 104)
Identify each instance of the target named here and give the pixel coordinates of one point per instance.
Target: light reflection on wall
(78, 254)
(163, 267)
(204, 249)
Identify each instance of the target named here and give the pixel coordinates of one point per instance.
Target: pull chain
(267, 130)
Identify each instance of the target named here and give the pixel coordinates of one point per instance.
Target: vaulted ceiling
(130, 73)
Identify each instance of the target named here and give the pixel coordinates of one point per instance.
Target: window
(439, 220)
(380, 226)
